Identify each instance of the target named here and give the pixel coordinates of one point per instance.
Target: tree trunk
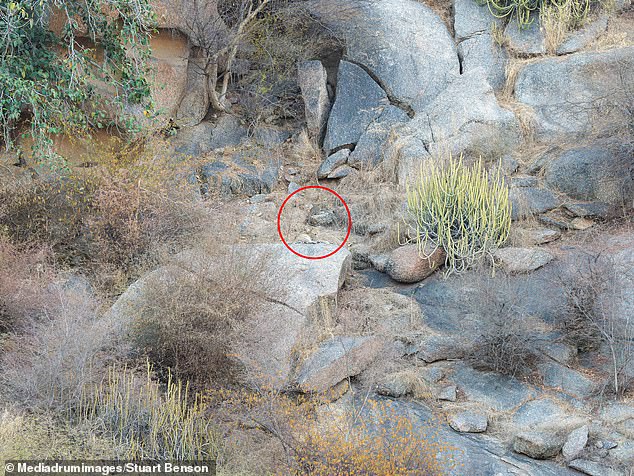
(211, 72)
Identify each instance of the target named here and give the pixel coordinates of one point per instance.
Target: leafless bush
(504, 334)
(270, 35)
(111, 221)
(24, 274)
(596, 317)
(191, 327)
(63, 350)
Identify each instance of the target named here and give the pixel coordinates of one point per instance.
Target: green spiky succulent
(464, 210)
(524, 10)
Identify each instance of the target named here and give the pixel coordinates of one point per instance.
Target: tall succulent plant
(523, 10)
(464, 210)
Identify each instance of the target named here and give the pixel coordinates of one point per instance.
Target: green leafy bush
(464, 210)
(74, 77)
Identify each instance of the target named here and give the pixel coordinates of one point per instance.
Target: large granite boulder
(304, 295)
(405, 45)
(526, 40)
(358, 103)
(406, 265)
(464, 117)
(227, 131)
(579, 93)
(335, 360)
(483, 51)
(603, 171)
(311, 76)
(369, 149)
(472, 19)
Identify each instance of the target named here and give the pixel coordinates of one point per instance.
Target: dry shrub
(111, 219)
(334, 439)
(596, 315)
(504, 336)
(191, 327)
(382, 442)
(24, 275)
(60, 352)
(376, 204)
(46, 210)
(39, 436)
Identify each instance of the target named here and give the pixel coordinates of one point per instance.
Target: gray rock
(245, 176)
(482, 51)
(472, 19)
(529, 201)
(579, 39)
(509, 165)
(292, 187)
(603, 172)
(379, 262)
(522, 260)
(335, 360)
(368, 151)
(575, 443)
(496, 391)
(528, 40)
(195, 103)
(558, 351)
(358, 103)
(303, 295)
(360, 256)
(311, 77)
(448, 393)
(385, 35)
(590, 210)
(617, 412)
(332, 162)
(578, 93)
(270, 136)
(535, 236)
(526, 181)
(465, 117)
(406, 265)
(320, 216)
(476, 455)
(592, 468)
(624, 453)
(396, 385)
(567, 380)
(538, 444)
(432, 374)
(207, 136)
(433, 348)
(537, 413)
(469, 422)
(341, 172)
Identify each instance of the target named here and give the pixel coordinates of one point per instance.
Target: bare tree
(596, 315)
(216, 29)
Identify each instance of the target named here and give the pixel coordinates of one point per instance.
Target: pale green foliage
(464, 210)
(524, 10)
(148, 422)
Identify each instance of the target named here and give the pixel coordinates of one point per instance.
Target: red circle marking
(279, 221)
